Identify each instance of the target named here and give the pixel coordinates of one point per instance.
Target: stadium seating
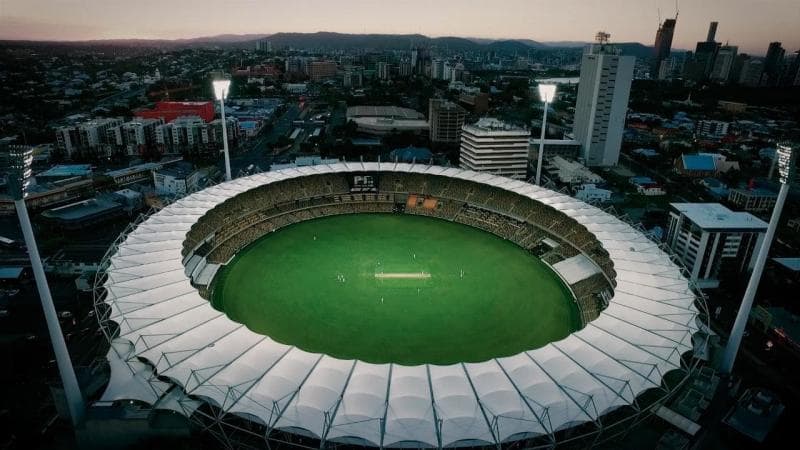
(239, 221)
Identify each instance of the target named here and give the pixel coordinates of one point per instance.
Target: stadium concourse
(171, 350)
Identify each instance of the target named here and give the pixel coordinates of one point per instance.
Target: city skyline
(751, 25)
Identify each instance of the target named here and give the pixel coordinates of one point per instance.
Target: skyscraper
(750, 74)
(723, 63)
(603, 91)
(705, 53)
(712, 32)
(791, 77)
(773, 64)
(663, 45)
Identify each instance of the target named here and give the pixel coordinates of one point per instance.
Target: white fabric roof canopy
(649, 323)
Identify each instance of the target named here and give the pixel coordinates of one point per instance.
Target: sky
(750, 24)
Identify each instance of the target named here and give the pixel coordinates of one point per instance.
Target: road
(254, 152)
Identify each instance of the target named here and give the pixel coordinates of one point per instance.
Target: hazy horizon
(750, 24)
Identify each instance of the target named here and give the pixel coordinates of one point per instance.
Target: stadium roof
(163, 320)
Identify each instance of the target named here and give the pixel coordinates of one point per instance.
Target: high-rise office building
(708, 236)
(791, 76)
(446, 119)
(602, 103)
(701, 63)
(773, 64)
(496, 147)
(751, 72)
(663, 45)
(712, 32)
(723, 63)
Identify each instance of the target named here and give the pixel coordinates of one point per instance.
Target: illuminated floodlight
(20, 158)
(786, 164)
(221, 88)
(785, 155)
(547, 92)
(19, 178)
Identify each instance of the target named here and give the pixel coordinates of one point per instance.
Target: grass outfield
(389, 288)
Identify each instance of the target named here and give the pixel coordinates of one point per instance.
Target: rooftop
(792, 264)
(699, 162)
(79, 210)
(716, 216)
(10, 273)
(67, 170)
(394, 112)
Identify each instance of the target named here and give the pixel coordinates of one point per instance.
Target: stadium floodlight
(20, 159)
(786, 154)
(547, 93)
(220, 92)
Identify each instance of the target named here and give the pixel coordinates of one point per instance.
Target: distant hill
(640, 51)
(324, 40)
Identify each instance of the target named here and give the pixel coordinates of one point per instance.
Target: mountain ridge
(334, 40)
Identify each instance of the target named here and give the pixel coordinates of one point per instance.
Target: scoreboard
(366, 182)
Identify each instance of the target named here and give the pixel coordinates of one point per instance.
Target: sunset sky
(751, 24)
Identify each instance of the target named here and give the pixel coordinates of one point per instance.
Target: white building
(490, 145)
(190, 133)
(590, 193)
(712, 128)
(135, 136)
(176, 180)
(602, 102)
(570, 172)
(707, 236)
(90, 137)
(755, 199)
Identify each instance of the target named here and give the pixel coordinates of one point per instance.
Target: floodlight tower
(786, 155)
(220, 92)
(547, 93)
(20, 159)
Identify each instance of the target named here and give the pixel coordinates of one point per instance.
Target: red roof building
(170, 111)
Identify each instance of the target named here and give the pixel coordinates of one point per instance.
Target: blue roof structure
(10, 273)
(641, 180)
(792, 264)
(67, 171)
(410, 153)
(698, 162)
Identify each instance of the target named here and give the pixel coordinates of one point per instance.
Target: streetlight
(547, 93)
(786, 154)
(20, 158)
(220, 92)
